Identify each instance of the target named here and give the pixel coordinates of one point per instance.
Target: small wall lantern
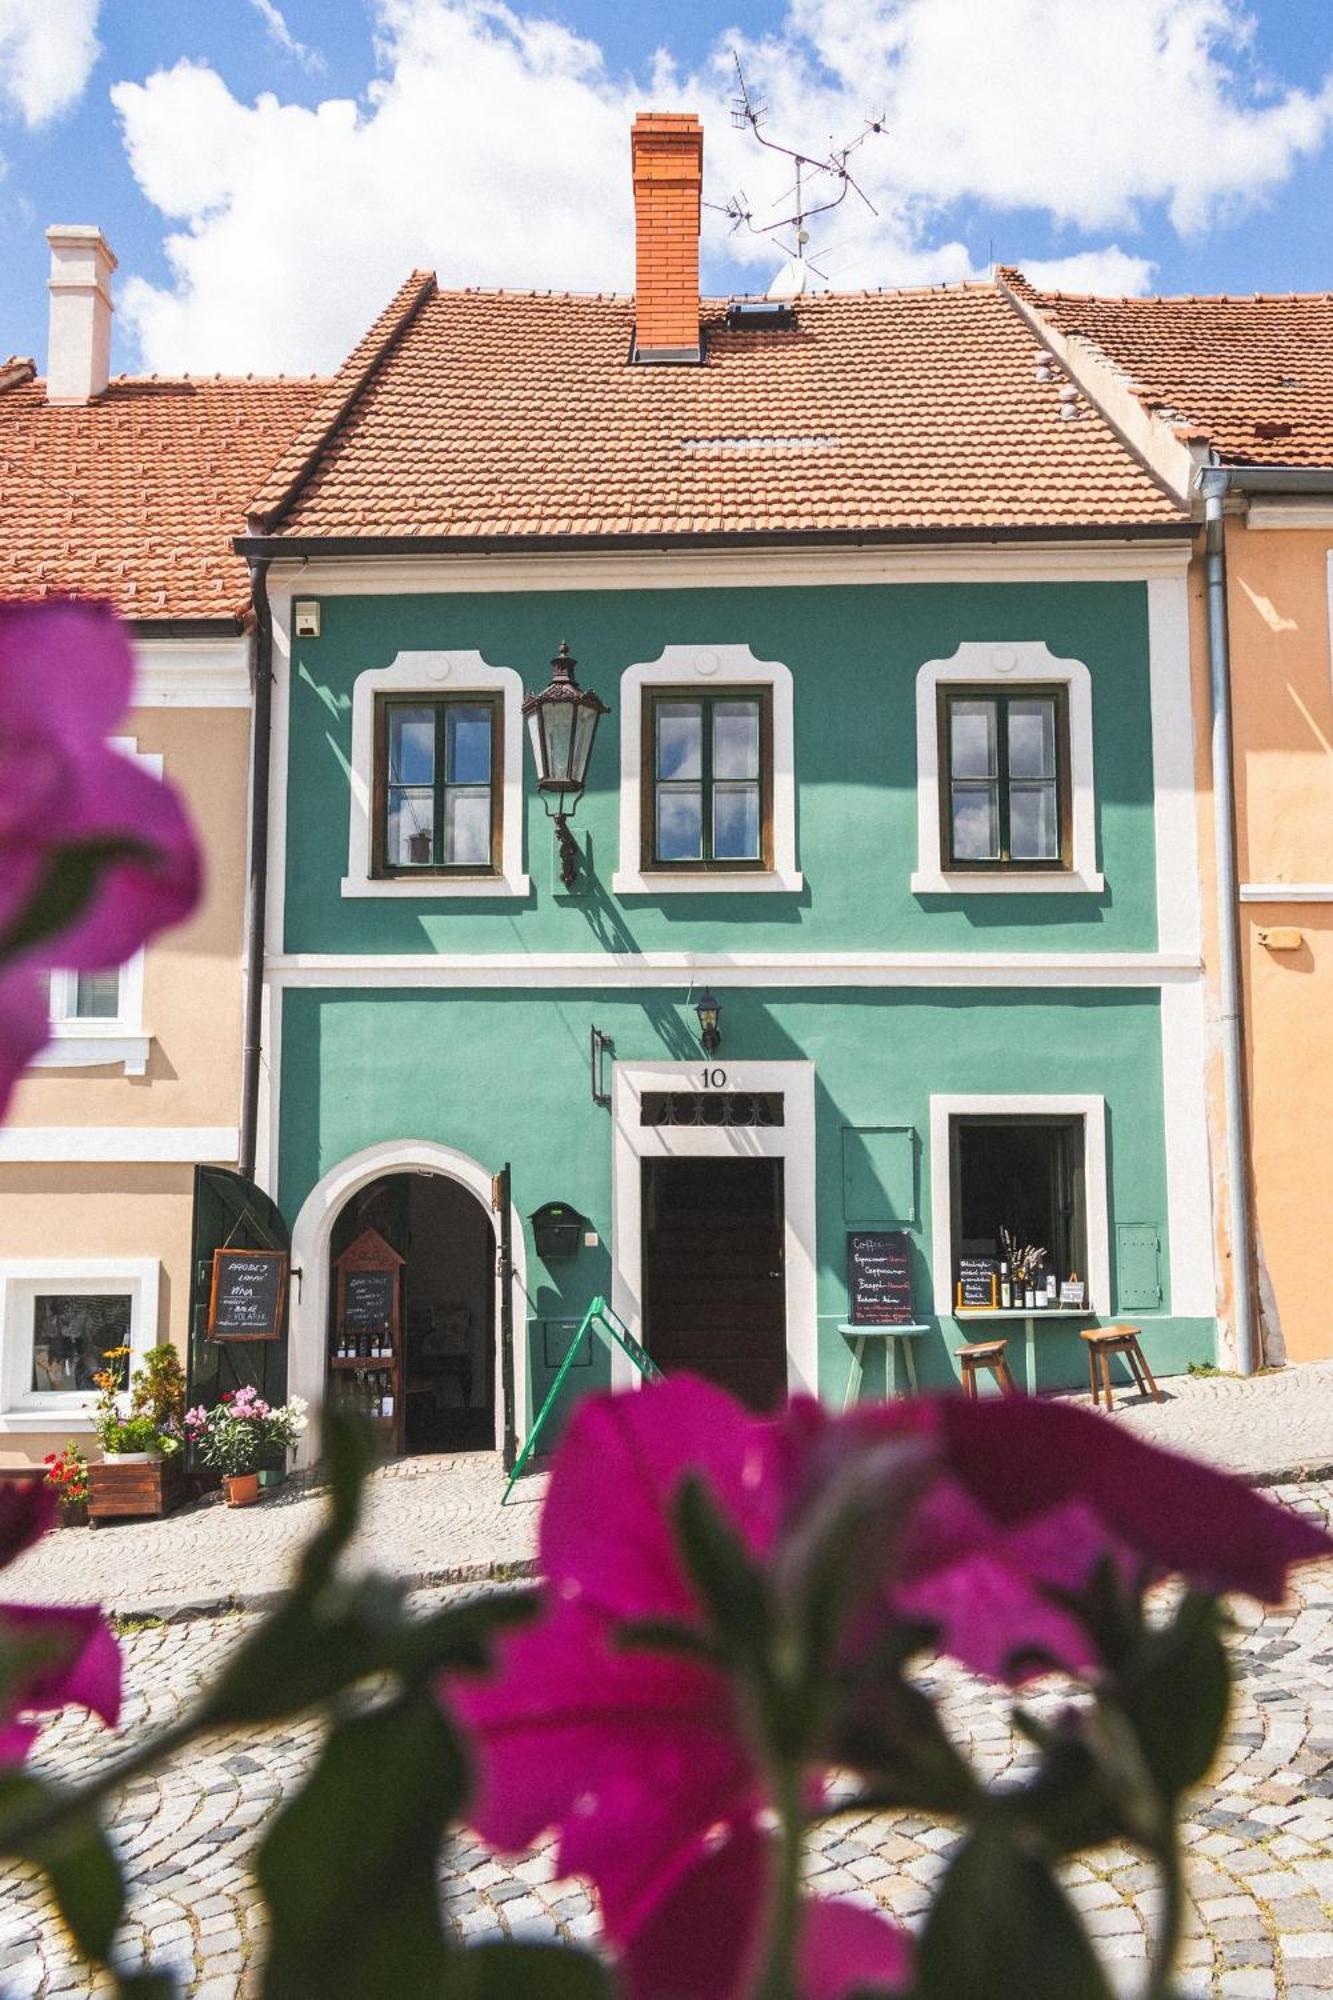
(562, 726)
(709, 1009)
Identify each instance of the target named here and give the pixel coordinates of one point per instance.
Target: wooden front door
(714, 1290)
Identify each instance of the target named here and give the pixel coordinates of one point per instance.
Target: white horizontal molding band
(191, 673)
(107, 1144)
(678, 569)
(1286, 892)
(518, 970)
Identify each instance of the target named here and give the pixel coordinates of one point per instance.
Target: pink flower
(974, 1518)
(642, 1759)
(70, 803)
(73, 1656)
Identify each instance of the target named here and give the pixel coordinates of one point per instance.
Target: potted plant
(240, 1434)
(67, 1471)
(142, 1438)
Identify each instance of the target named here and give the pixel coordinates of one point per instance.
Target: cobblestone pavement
(439, 1520)
(1260, 1836)
(435, 1520)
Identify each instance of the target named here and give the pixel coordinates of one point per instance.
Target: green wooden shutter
(1138, 1267)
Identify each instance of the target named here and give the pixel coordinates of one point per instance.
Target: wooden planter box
(120, 1491)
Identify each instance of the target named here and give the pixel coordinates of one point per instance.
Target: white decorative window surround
(1092, 1111)
(24, 1407)
(87, 1041)
(1023, 663)
(700, 666)
(435, 674)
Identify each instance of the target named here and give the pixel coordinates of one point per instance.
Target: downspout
(257, 903)
(1214, 482)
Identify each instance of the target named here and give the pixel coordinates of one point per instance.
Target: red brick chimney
(668, 154)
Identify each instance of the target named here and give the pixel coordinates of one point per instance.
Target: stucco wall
(1282, 676)
(192, 978)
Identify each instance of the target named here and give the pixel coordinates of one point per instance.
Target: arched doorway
(445, 1372)
(443, 1186)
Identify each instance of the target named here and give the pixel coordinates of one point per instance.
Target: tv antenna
(810, 173)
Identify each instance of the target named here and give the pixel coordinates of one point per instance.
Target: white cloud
(494, 146)
(281, 35)
(1111, 271)
(47, 50)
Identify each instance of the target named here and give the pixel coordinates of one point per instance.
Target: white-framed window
(97, 1017)
(436, 785)
(58, 1316)
(1004, 770)
(709, 733)
(1034, 1165)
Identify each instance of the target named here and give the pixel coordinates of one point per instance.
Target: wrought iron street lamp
(562, 724)
(709, 1009)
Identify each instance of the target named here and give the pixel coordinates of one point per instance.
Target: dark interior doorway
(447, 1306)
(714, 1293)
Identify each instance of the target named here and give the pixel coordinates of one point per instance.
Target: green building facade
(914, 1039)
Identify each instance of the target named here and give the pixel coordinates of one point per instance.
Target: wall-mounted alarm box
(305, 615)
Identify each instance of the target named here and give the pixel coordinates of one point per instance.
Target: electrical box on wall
(556, 1228)
(305, 617)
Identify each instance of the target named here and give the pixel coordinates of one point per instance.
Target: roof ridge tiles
(300, 459)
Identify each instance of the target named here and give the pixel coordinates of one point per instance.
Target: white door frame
(792, 1142)
(312, 1239)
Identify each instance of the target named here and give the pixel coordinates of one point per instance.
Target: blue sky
(266, 175)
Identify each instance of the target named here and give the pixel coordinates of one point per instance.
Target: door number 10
(715, 1079)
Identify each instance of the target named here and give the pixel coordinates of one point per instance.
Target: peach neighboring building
(130, 489)
(1230, 402)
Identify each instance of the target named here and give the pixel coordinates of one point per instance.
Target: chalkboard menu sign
(879, 1278)
(247, 1294)
(978, 1287)
(368, 1299)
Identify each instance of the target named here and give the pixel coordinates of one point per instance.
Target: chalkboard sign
(978, 1287)
(367, 1301)
(247, 1295)
(879, 1278)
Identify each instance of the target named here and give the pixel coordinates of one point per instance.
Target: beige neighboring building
(1230, 402)
(130, 489)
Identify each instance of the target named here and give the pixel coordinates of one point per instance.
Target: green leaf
(1000, 1925)
(1178, 1703)
(76, 1857)
(526, 1972)
(66, 889)
(731, 1586)
(348, 1870)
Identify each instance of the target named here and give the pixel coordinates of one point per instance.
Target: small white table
(859, 1335)
(1030, 1321)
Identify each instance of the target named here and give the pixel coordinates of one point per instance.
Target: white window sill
(64, 1423)
(436, 887)
(708, 882)
(94, 1048)
(984, 882)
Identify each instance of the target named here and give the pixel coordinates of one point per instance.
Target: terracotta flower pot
(242, 1488)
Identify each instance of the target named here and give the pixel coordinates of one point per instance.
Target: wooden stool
(1103, 1342)
(985, 1354)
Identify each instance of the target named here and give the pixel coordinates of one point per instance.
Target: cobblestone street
(1261, 1836)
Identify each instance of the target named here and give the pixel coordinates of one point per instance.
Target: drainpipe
(257, 906)
(1214, 482)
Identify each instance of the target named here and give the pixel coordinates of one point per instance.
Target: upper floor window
(439, 786)
(1006, 792)
(87, 996)
(710, 756)
(1006, 802)
(436, 782)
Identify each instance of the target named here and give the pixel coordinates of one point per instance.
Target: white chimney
(79, 347)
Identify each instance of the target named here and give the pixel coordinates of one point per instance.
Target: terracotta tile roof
(1253, 376)
(501, 415)
(137, 496)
